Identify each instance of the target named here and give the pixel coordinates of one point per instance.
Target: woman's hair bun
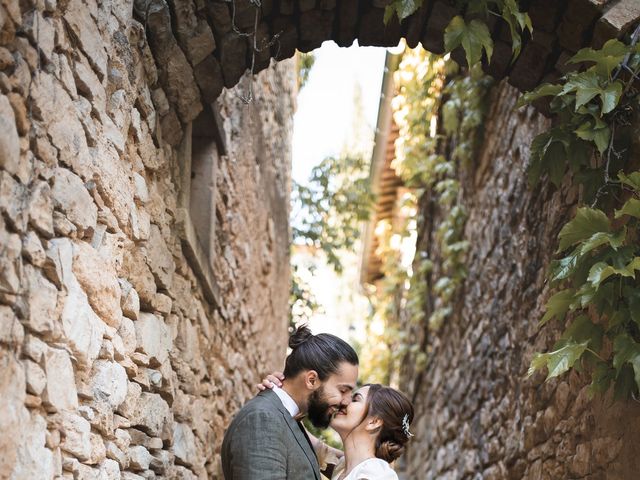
(389, 451)
(299, 336)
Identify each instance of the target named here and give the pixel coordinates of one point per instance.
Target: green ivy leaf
(601, 271)
(402, 8)
(554, 160)
(615, 240)
(631, 208)
(586, 294)
(565, 267)
(601, 378)
(625, 349)
(585, 224)
(632, 180)
(578, 154)
(599, 134)
(558, 306)
(473, 37)
(624, 383)
(516, 20)
(538, 148)
(544, 90)
(610, 96)
(586, 85)
(558, 361)
(582, 329)
(606, 59)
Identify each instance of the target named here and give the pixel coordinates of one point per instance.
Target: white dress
(370, 469)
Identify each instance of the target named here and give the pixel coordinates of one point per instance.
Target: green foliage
(584, 102)
(329, 209)
(599, 249)
(558, 361)
(474, 37)
(430, 151)
(305, 64)
(401, 8)
(302, 302)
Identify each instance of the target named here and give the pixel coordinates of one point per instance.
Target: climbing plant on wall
(438, 109)
(592, 142)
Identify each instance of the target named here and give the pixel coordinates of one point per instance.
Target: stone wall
(117, 359)
(477, 414)
(207, 33)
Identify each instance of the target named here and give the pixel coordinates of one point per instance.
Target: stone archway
(206, 46)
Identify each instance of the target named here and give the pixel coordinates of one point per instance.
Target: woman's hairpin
(405, 426)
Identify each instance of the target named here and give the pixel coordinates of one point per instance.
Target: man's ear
(311, 380)
(373, 425)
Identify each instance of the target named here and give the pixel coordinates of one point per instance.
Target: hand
(270, 380)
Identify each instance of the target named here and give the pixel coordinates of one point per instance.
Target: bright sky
(325, 111)
(323, 124)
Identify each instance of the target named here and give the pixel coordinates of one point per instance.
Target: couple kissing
(267, 440)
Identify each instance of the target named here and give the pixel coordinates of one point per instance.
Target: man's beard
(318, 409)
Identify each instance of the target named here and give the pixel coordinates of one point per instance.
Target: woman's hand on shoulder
(271, 380)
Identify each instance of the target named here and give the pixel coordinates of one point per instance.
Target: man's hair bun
(299, 336)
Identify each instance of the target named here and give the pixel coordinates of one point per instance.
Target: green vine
(595, 110)
(438, 109)
(472, 35)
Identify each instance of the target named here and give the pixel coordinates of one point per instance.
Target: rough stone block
(36, 378)
(219, 18)
(347, 13)
(139, 458)
(136, 271)
(416, 24)
(545, 14)
(34, 460)
(60, 392)
(129, 301)
(184, 444)
(41, 301)
(374, 32)
(616, 21)
(153, 415)
(209, 77)
(315, 28)
(99, 281)
(41, 209)
(577, 20)
(79, 20)
(9, 140)
(530, 66)
(287, 42)
(232, 51)
(441, 15)
(160, 259)
(77, 435)
(153, 337)
(109, 382)
(11, 330)
(71, 197)
(83, 329)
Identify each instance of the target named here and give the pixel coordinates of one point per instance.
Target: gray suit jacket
(264, 442)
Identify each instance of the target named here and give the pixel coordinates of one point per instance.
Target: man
(266, 439)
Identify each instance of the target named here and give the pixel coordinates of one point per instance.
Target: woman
(374, 429)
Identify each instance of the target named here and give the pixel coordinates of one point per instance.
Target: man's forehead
(350, 386)
(346, 376)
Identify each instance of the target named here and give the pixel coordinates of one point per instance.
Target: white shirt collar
(288, 402)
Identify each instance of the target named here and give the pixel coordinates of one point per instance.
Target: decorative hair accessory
(405, 426)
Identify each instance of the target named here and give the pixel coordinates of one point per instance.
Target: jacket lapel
(298, 434)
